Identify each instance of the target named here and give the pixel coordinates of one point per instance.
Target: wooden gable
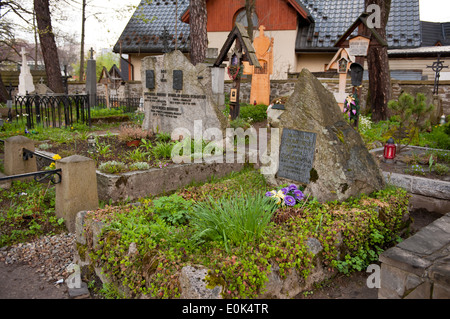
(273, 14)
(238, 33)
(361, 22)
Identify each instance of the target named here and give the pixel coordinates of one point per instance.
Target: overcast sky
(105, 35)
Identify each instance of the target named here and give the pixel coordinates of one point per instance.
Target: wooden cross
(244, 51)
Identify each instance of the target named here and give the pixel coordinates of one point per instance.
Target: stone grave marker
(319, 149)
(177, 94)
(26, 85)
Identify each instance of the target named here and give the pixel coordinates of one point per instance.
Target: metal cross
(165, 37)
(437, 67)
(92, 53)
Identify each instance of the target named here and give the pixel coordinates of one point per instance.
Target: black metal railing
(55, 110)
(54, 175)
(46, 174)
(129, 105)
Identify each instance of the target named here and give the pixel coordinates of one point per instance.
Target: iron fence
(52, 110)
(129, 105)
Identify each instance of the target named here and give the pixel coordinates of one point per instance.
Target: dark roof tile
(331, 20)
(403, 25)
(149, 20)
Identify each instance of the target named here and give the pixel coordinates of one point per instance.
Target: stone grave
(319, 149)
(25, 78)
(178, 94)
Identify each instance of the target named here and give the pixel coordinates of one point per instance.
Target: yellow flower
(56, 157)
(52, 165)
(280, 197)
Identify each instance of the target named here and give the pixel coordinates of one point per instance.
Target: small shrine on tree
(243, 51)
(351, 56)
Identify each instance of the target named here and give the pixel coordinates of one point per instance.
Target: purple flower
(289, 201)
(269, 194)
(285, 190)
(298, 195)
(292, 187)
(354, 112)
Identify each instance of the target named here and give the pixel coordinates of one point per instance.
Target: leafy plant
(441, 169)
(139, 166)
(172, 209)
(138, 155)
(412, 112)
(30, 213)
(163, 137)
(162, 150)
(234, 220)
(112, 167)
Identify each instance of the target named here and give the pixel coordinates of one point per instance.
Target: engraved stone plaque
(297, 155)
(150, 79)
(178, 80)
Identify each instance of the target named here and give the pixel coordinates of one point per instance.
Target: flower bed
(142, 249)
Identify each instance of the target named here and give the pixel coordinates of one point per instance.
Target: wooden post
(235, 106)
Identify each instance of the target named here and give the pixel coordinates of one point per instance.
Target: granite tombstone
(177, 94)
(319, 149)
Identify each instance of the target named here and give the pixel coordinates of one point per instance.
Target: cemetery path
(21, 281)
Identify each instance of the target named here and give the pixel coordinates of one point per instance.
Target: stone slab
(405, 260)
(156, 181)
(79, 293)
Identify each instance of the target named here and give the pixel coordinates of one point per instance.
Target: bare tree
(48, 46)
(250, 11)
(378, 64)
(8, 44)
(199, 35)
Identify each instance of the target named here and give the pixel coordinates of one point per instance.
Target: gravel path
(36, 270)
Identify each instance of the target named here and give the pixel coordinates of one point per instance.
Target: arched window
(241, 17)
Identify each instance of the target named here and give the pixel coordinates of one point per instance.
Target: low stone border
(430, 194)
(419, 267)
(156, 181)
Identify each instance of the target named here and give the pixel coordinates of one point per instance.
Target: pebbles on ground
(49, 256)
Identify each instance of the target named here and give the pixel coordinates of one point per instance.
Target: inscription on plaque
(297, 155)
(169, 104)
(150, 79)
(178, 80)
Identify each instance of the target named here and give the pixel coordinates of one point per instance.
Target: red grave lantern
(390, 149)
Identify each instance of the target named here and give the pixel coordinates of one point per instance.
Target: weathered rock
(194, 285)
(342, 166)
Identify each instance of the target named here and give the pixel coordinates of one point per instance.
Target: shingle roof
(333, 18)
(434, 32)
(145, 28)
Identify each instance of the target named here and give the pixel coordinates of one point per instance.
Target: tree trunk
(378, 64)
(250, 10)
(4, 96)
(199, 35)
(83, 22)
(48, 46)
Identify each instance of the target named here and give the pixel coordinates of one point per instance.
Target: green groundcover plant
(27, 212)
(239, 236)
